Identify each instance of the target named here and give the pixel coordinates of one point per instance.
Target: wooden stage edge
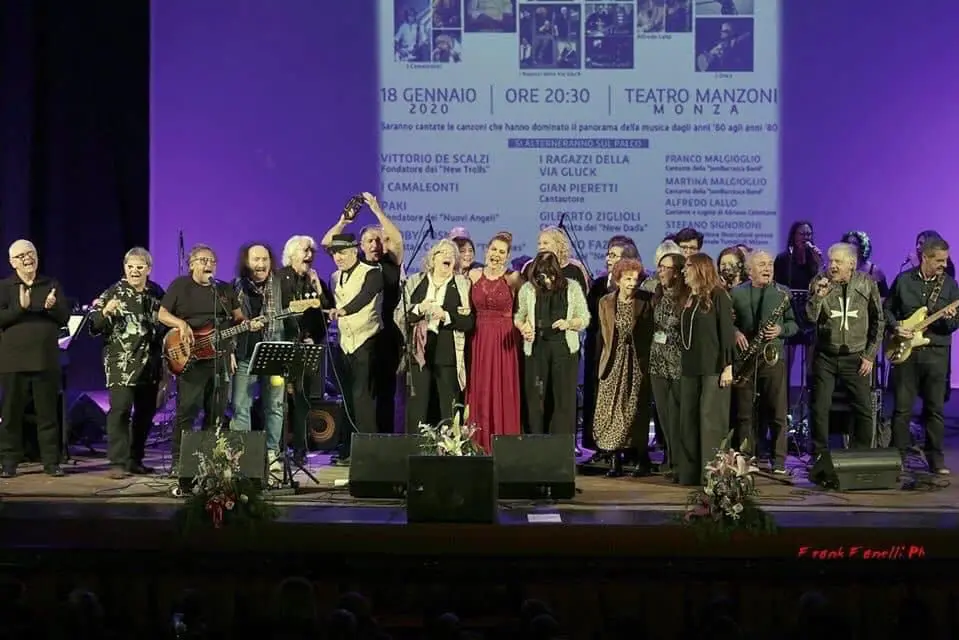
(608, 519)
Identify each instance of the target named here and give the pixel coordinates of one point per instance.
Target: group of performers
(699, 343)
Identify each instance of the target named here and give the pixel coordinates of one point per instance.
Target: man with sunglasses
(126, 316)
(32, 311)
(194, 301)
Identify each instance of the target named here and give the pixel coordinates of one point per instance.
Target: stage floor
(609, 512)
(87, 482)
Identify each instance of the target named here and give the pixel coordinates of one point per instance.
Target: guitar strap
(934, 295)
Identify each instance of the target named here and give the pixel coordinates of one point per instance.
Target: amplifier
(858, 469)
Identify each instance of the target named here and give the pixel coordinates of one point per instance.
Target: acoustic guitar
(206, 339)
(898, 349)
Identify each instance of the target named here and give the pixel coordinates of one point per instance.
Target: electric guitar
(206, 339)
(898, 349)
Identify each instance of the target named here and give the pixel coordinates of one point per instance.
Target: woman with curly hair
(860, 240)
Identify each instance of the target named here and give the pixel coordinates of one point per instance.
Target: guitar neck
(936, 316)
(226, 334)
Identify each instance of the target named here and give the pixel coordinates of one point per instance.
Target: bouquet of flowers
(452, 437)
(727, 502)
(221, 495)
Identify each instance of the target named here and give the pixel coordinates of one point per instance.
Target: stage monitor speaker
(87, 418)
(858, 470)
(379, 464)
(535, 467)
(451, 489)
(324, 422)
(252, 462)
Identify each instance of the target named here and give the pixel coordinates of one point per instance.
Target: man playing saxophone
(763, 316)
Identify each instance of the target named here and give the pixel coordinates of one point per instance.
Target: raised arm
(99, 321)
(817, 296)
(392, 236)
(372, 287)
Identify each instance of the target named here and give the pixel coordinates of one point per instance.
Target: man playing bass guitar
(924, 372)
(192, 302)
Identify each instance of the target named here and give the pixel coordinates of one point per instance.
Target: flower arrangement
(221, 495)
(453, 437)
(727, 502)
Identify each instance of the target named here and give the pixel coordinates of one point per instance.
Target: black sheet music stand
(291, 361)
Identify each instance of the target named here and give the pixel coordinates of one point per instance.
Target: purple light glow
(265, 121)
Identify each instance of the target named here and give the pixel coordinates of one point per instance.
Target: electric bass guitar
(206, 340)
(898, 349)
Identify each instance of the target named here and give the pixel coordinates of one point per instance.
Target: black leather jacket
(849, 318)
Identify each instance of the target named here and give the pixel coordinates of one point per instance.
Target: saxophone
(745, 361)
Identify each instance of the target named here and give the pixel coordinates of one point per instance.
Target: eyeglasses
(205, 260)
(26, 254)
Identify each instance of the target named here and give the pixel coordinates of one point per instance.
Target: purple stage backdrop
(265, 119)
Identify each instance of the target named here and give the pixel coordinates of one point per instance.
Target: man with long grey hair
(845, 307)
(126, 316)
(32, 310)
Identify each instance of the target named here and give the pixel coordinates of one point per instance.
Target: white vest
(359, 327)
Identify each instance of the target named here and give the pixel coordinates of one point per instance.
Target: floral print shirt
(665, 357)
(132, 337)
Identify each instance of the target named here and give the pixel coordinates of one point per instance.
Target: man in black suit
(32, 311)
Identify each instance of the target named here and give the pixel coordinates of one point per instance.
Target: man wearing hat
(358, 297)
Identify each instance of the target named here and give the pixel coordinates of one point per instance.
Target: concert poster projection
(605, 118)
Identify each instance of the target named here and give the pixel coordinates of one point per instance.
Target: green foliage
(221, 496)
(453, 437)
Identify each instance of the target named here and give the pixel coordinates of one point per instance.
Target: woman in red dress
(492, 391)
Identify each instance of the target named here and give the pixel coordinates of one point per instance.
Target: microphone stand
(217, 361)
(575, 246)
(426, 229)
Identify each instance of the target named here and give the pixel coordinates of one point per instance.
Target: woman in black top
(551, 313)
(796, 267)
(707, 340)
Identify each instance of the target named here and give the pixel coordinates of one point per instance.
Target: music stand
(289, 360)
(68, 335)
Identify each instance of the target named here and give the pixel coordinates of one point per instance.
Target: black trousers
(766, 396)
(923, 375)
(199, 389)
(666, 396)
(826, 370)
(359, 399)
(129, 421)
(432, 384)
(389, 347)
(703, 423)
(18, 388)
(299, 411)
(550, 382)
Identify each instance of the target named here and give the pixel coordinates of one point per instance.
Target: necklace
(688, 340)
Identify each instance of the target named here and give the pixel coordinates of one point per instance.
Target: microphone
(907, 261)
(429, 227)
(811, 246)
(180, 245)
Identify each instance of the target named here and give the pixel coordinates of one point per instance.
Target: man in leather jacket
(845, 307)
